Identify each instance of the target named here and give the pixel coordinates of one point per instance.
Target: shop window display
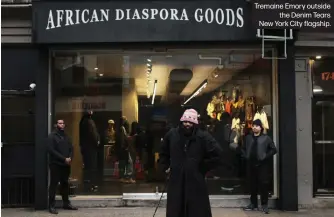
(119, 107)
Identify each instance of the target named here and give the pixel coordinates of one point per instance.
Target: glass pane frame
(274, 108)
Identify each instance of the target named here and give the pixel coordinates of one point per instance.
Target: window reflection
(118, 107)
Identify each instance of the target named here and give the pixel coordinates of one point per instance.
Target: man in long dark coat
(187, 154)
(89, 142)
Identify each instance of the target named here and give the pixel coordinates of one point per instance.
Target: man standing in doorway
(89, 143)
(259, 150)
(188, 153)
(60, 151)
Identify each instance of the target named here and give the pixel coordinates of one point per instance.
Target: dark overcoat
(189, 158)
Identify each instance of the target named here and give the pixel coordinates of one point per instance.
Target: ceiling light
(154, 90)
(149, 65)
(198, 91)
(318, 57)
(317, 89)
(149, 60)
(100, 74)
(96, 68)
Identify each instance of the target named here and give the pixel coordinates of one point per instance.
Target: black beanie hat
(258, 122)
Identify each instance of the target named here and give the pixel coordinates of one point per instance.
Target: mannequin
(110, 132)
(110, 136)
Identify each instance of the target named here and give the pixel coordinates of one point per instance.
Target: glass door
(323, 146)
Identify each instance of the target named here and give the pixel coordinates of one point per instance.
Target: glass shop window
(118, 107)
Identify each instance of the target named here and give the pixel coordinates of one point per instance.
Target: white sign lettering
(61, 18)
(75, 17)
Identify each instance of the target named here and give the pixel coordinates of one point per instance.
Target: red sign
(327, 76)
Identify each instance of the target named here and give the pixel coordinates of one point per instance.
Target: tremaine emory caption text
(294, 15)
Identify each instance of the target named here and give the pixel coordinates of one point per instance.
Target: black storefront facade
(63, 32)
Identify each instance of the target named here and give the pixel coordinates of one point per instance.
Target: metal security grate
(17, 192)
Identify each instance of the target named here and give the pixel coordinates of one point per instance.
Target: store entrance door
(323, 145)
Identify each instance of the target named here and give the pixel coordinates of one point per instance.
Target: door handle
(324, 142)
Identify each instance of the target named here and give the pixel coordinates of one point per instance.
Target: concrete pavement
(148, 212)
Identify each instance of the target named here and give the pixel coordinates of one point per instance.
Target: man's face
(61, 124)
(188, 125)
(256, 128)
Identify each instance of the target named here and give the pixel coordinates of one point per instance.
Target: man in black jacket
(259, 150)
(60, 156)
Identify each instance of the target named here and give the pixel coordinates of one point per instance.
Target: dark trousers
(59, 174)
(259, 182)
(90, 167)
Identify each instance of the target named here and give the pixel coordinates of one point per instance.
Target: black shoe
(69, 207)
(265, 209)
(250, 207)
(53, 210)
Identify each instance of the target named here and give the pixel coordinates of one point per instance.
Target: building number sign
(327, 76)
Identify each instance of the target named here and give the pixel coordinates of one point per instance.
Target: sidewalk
(148, 212)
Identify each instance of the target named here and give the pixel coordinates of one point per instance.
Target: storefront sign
(61, 18)
(64, 22)
(96, 103)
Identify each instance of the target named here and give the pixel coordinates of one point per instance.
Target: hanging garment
(241, 107)
(210, 109)
(234, 139)
(228, 106)
(250, 112)
(235, 123)
(235, 109)
(220, 109)
(263, 117)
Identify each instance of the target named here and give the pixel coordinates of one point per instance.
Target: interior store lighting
(149, 60)
(198, 91)
(317, 89)
(318, 57)
(154, 90)
(96, 68)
